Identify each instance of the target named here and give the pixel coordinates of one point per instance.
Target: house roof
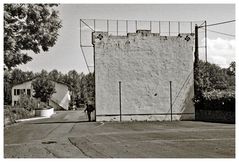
(69, 86)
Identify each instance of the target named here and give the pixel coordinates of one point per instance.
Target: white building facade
(59, 100)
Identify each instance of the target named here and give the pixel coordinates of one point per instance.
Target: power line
(220, 23)
(221, 33)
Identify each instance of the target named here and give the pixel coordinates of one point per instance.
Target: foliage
(218, 100)
(13, 114)
(13, 77)
(28, 103)
(216, 87)
(43, 89)
(82, 86)
(28, 27)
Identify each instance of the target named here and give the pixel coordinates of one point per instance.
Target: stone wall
(145, 63)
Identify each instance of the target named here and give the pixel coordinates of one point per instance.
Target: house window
(15, 92)
(29, 92)
(18, 91)
(22, 91)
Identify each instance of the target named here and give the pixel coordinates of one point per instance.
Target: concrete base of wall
(145, 117)
(44, 112)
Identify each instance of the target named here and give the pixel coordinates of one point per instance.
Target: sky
(66, 55)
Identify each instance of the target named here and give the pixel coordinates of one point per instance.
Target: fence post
(126, 27)
(117, 28)
(107, 26)
(120, 100)
(169, 28)
(171, 107)
(159, 27)
(136, 25)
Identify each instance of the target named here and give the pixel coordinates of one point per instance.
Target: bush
(217, 100)
(215, 88)
(12, 114)
(27, 102)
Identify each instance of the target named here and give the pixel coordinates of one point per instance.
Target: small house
(59, 100)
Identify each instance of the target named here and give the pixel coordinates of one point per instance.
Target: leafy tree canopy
(43, 88)
(28, 27)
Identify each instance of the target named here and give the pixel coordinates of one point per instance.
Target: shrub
(12, 114)
(218, 100)
(27, 102)
(215, 88)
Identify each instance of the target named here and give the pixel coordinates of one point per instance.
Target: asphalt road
(68, 135)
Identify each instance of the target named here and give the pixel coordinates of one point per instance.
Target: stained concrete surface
(144, 63)
(68, 135)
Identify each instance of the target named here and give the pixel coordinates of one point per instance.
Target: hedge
(217, 100)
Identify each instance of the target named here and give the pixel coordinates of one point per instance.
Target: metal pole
(196, 45)
(107, 26)
(126, 26)
(169, 28)
(80, 32)
(94, 24)
(178, 27)
(196, 64)
(171, 106)
(150, 26)
(117, 27)
(136, 25)
(191, 25)
(120, 100)
(206, 41)
(94, 79)
(159, 27)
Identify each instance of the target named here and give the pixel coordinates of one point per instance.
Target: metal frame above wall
(122, 27)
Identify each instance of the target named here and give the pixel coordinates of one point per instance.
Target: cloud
(221, 51)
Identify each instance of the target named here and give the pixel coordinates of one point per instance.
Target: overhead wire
(221, 33)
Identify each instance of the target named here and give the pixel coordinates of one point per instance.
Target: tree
(54, 75)
(232, 68)
(7, 88)
(43, 88)
(28, 27)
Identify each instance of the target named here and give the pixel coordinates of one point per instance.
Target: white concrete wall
(144, 63)
(25, 85)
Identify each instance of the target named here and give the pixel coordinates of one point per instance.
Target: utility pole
(196, 63)
(206, 41)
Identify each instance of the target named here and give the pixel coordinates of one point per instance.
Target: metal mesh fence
(123, 27)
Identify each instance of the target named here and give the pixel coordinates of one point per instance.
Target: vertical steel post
(169, 28)
(117, 28)
(196, 65)
(94, 24)
(171, 106)
(107, 26)
(196, 56)
(191, 25)
(80, 32)
(206, 41)
(150, 26)
(136, 25)
(94, 79)
(126, 27)
(120, 101)
(178, 27)
(159, 27)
